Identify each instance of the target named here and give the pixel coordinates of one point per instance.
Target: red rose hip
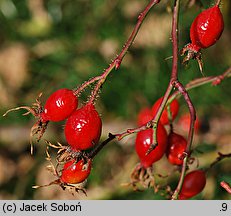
(205, 30)
(194, 183)
(143, 141)
(59, 105)
(176, 148)
(145, 115)
(74, 173)
(174, 108)
(184, 123)
(83, 128)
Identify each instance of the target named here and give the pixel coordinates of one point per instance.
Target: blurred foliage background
(49, 44)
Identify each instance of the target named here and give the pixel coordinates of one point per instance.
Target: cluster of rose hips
(83, 124)
(82, 132)
(172, 145)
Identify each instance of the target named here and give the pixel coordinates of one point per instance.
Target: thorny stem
(117, 61)
(193, 84)
(215, 80)
(116, 64)
(174, 81)
(167, 100)
(85, 84)
(174, 74)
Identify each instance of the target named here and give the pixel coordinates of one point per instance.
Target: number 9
(224, 207)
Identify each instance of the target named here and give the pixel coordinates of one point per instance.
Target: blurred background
(50, 44)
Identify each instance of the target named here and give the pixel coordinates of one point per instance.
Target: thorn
(167, 58)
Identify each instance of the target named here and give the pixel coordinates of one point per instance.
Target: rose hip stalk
(205, 30)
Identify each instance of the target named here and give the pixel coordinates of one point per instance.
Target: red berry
(74, 173)
(59, 105)
(83, 128)
(194, 183)
(184, 123)
(207, 28)
(175, 149)
(174, 108)
(144, 116)
(143, 141)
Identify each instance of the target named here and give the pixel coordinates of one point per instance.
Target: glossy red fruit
(143, 141)
(83, 128)
(176, 148)
(174, 108)
(59, 106)
(207, 28)
(184, 123)
(145, 115)
(74, 173)
(194, 183)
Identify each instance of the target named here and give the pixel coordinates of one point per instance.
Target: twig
(226, 186)
(175, 83)
(117, 61)
(219, 158)
(215, 80)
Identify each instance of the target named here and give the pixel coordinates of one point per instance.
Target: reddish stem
(226, 186)
(117, 61)
(175, 83)
(85, 84)
(174, 74)
(215, 80)
(116, 64)
(193, 84)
